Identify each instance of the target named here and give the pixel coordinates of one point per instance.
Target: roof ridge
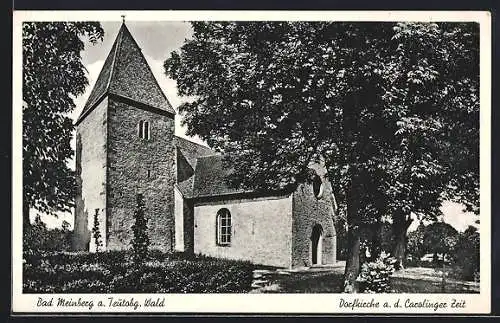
(96, 94)
(117, 49)
(192, 142)
(211, 156)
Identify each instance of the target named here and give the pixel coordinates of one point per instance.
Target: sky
(157, 40)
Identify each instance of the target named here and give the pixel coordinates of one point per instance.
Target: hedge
(115, 272)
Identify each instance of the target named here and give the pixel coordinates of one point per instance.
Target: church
(125, 146)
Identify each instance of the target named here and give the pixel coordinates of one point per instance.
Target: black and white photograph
(331, 159)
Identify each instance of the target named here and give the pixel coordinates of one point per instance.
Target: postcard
(332, 162)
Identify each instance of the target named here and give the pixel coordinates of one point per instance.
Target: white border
(259, 303)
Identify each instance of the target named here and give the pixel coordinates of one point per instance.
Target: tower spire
(126, 73)
(123, 18)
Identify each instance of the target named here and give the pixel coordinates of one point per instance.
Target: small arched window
(143, 130)
(146, 130)
(317, 186)
(140, 128)
(223, 227)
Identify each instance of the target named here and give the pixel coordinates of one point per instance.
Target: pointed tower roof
(126, 73)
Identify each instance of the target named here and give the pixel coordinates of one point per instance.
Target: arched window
(223, 227)
(317, 186)
(146, 130)
(140, 128)
(143, 130)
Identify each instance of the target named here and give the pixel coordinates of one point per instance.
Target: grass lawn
(332, 282)
(407, 285)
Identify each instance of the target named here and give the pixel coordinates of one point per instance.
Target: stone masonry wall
(308, 211)
(261, 230)
(90, 177)
(143, 166)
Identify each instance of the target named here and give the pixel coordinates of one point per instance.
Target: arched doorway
(317, 245)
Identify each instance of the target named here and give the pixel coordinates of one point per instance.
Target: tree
(439, 238)
(377, 237)
(415, 242)
(53, 75)
(275, 96)
(466, 253)
(140, 242)
(341, 234)
(440, 134)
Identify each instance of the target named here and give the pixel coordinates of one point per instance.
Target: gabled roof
(191, 151)
(210, 178)
(126, 73)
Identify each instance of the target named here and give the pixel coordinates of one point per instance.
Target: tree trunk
(400, 225)
(352, 266)
(376, 249)
(399, 248)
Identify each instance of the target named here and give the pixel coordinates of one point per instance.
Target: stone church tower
(125, 146)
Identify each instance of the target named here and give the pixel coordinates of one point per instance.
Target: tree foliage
(386, 106)
(376, 238)
(442, 104)
(467, 253)
(439, 238)
(53, 75)
(415, 246)
(39, 238)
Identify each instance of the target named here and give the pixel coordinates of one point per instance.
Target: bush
(38, 238)
(116, 272)
(466, 255)
(96, 232)
(375, 276)
(140, 242)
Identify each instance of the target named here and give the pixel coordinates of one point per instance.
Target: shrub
(140, 242)
(96, 232)
(38, 238)
(466, 255)
(477, 276)
(113, 272)
(375, 276)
